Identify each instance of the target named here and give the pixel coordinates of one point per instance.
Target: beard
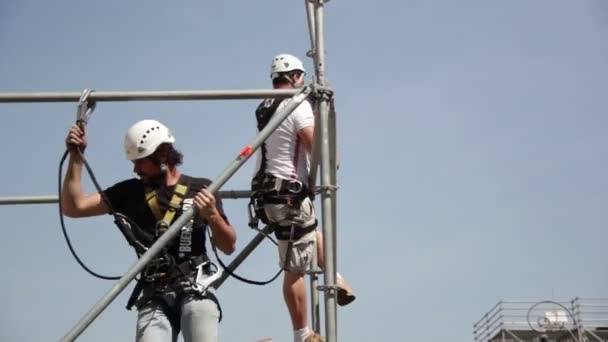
(155, 180)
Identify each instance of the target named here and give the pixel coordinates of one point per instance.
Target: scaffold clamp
(322, 92)
(328, 288)
(327, 188)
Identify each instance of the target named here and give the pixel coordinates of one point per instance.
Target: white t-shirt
(286, 155)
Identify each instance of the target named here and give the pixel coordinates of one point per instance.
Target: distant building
(579, 320)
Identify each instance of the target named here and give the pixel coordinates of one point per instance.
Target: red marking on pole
(246, 151)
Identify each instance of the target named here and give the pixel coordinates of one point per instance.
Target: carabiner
(202, 281)
(85, 107)
(295, 186)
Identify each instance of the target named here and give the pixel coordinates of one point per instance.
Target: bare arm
(306, 135)
(224, 235)
(74, 202)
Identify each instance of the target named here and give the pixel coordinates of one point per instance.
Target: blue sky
(471, 136)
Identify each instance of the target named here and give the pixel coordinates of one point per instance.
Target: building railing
(580, 319)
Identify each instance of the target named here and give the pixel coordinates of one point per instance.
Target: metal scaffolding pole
(165, 238)
(312, 179)
(225, 194)
(333, 162)
(314, 273)
(28, 200)
(314, 292)
(328, 188)
(316, 144)
(315, 270)
(310, 19)
(176, 95)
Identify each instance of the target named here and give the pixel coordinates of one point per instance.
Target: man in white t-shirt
(280, 193)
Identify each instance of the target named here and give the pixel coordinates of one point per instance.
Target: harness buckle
(161, 227)
(293, 186)
(253, 213)
(158, 268)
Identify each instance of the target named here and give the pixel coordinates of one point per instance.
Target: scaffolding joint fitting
(322, 92)
(314, 271)
(329, 288)
(326, 189)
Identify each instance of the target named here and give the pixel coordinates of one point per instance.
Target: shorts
(301, 252)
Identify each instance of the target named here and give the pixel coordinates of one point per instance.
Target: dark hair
(282, 79)
(167, 154)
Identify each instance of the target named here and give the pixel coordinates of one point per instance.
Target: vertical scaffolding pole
(316, 147)
(310, 17)
(312, 179)
(314, 293)
(333, 162)
(328, 173)
(315, 270)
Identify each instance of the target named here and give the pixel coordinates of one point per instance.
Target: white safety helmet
(285, 63)
(144, 137)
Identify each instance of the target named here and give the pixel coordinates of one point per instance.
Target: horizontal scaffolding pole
(225, 194)
(49, 199)
(169, 95)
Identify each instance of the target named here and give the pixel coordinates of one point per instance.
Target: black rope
(64, 230)
(238, 277)
(139, 248)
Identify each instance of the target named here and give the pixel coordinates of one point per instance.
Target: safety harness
(164, 221)
(163, 271)
(268, 189)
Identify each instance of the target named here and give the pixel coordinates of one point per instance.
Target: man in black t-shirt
(172, 293)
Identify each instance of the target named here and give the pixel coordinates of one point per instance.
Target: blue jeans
(197, 318)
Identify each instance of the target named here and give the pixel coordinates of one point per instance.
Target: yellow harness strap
(164, 221)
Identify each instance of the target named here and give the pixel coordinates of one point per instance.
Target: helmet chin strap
(286, 77)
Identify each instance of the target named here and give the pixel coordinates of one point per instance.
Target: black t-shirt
(128, 198)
